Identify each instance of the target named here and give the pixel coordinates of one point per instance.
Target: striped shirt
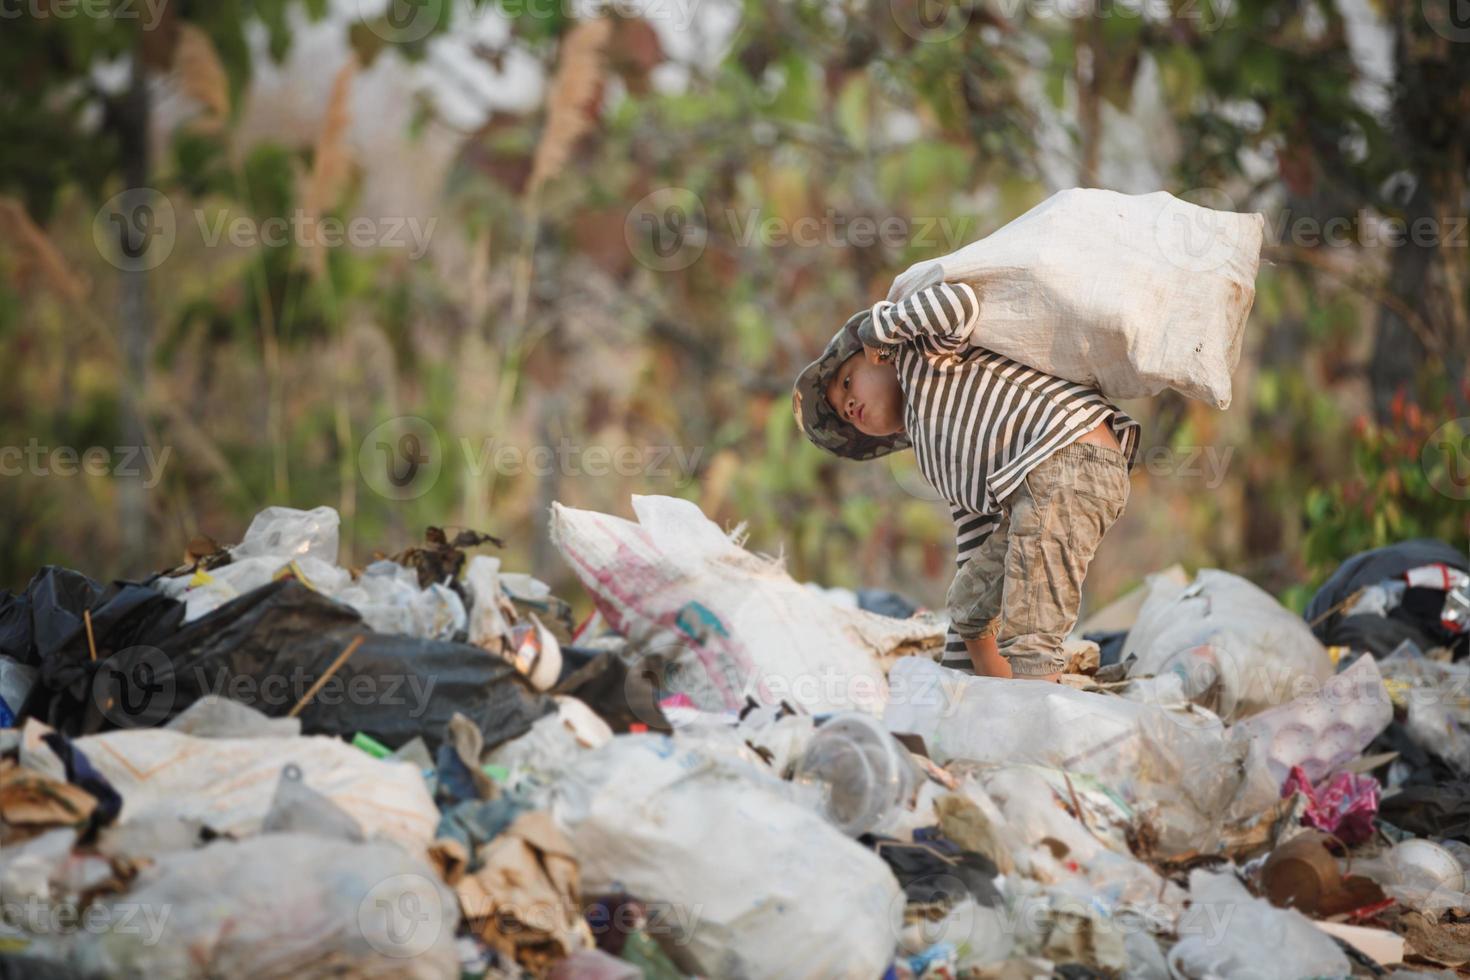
(979, 422)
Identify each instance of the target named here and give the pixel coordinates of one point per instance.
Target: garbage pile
(262, 763)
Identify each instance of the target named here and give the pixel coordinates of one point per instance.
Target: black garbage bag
(1416, 619)
(46, 620)
(1431, 811)
(268, 648)
(45, 627)
(620, 695)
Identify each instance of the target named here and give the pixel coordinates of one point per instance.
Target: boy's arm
(971, 530)
(946, 312)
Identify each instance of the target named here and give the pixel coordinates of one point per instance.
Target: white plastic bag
(280, 905)
(387, 595)
(1225, 644)
(1130, 293)
(1175, 763)
(750, 883)
(1228, 933)
(731, 624)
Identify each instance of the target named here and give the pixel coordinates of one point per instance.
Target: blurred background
(445, 262)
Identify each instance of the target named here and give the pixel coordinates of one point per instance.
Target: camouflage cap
(817, 419)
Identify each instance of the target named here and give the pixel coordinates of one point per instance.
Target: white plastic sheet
(386, 594)
(1223, 643)
(1228, 933)
(228, 783)
(749, 883)
(277, 906)
(731, 624)
(1130, 293)
(1175, 762)
(1324, 729)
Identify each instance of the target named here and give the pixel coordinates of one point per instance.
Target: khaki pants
(1024, 583)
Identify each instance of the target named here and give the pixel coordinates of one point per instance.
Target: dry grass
(201, 76)
(331, 166)
(39, 255)
(568, 99)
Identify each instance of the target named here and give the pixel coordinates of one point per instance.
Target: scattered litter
(426, 768)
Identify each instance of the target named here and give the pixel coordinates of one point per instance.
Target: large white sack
(228, 783)
(1225, 644)
(1132, 293)
(733, 624)
(278, 906)
(750, 883)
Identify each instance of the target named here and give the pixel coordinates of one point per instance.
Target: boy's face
(867, 396)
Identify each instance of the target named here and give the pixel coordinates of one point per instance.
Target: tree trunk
(135, 315)
(1398, 353)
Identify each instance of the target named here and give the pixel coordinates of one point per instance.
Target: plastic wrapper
(750, 879)
(1224, 644)
(1344, 807)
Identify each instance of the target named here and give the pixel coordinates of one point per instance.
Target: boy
(1035, 468)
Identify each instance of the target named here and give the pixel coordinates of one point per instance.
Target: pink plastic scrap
(1344, 806)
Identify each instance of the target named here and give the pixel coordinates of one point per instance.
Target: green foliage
(1411, 480)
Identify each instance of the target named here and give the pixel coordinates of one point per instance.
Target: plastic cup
(864, 773)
